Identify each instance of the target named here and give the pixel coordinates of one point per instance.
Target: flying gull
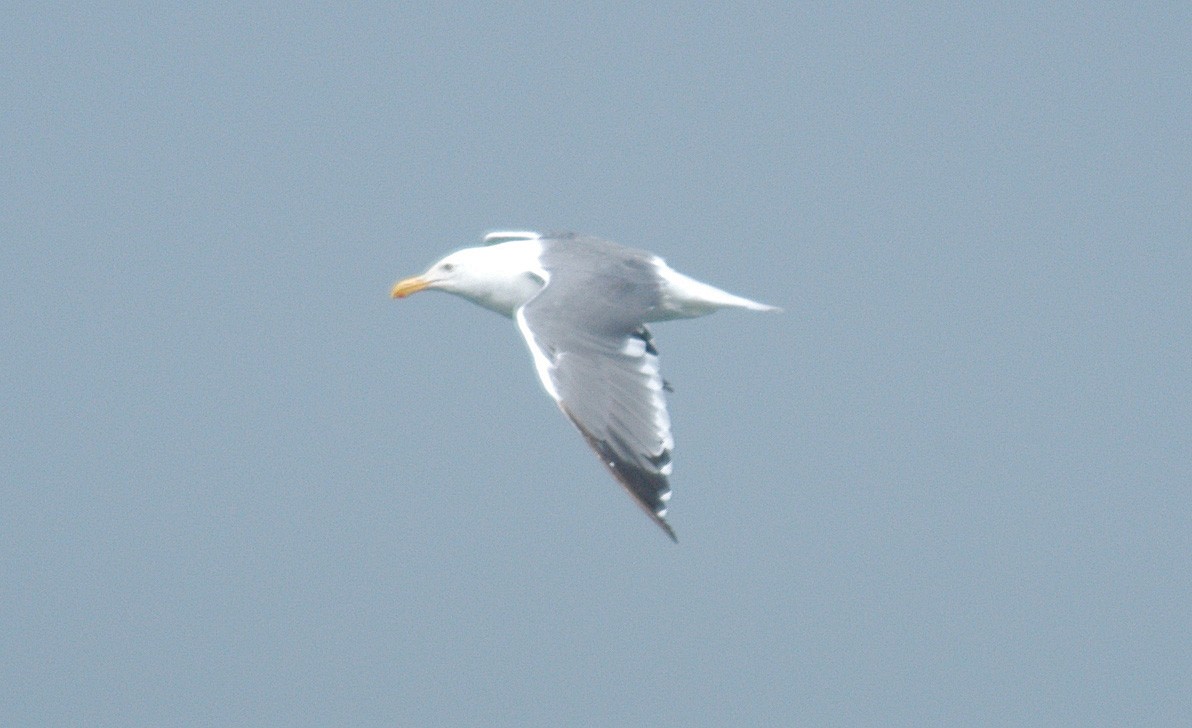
(582, 304)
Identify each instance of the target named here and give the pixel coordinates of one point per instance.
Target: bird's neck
(513, 276)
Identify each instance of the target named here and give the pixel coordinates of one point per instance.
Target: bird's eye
(448, 267)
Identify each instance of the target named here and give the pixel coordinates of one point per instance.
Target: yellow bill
(410, 285)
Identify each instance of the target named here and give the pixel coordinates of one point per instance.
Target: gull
(582, 305)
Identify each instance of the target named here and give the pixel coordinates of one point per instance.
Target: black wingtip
(649, 489)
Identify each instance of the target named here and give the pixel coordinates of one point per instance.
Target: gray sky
(949, 485)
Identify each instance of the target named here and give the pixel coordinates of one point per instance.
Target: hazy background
(949, 485)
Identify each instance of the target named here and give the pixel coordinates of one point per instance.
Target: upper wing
(597, 360)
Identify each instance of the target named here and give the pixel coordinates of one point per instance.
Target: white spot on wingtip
(635, 347)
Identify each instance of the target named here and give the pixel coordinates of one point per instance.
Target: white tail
(685, 297)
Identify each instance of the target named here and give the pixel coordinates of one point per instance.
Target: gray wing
(597, 359)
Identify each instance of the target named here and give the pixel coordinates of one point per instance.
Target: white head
(499, 277)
